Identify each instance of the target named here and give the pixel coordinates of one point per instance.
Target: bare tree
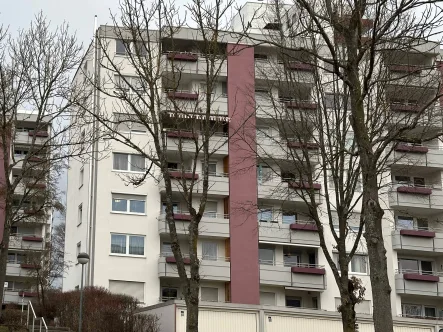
(35, 69)
(145, 85)
(346, 87)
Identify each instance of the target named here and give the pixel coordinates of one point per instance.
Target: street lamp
(82, 258)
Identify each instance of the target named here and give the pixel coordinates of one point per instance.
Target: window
(358, 264)
(267, 298)
(120, 47)
(212, 168)
(80, 214)
(291, 257)
(128, 203)
(166, 248)
(129, 162)
(209, 294)
(209, 250)
(79, 248)
(169, 293)
(264, 173)
(333, 100)
(289, 217)
(419, 182)
(418, 310)
(172, 165)
(264, 214)
(125, 244)
(128, 84)
(294, 302)
(141, 48)
(412, 223)
(81, 176)
(211, 209)
(174, 207)
(266, 254)
(402, 179)
(224, 86)
(406, 265)
(263, 131)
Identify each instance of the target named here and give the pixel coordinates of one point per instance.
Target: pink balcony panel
(182, 95)
(300, 66)
(304, 185)
(34, 212)
(180, 175)
(304, 227)
(181, 134)
(421, 277)
(36, 185)
(308, 270)
(32, 238)
(35, 159)
(171, 260)
(29, 266)
(417, 233)
(411, 148)
(405, 68)
(405, 108)
(301, 105)
(182, 217)
(414, 190)
(38, 133)
(27, 294)
(300, 145)
(183, 57)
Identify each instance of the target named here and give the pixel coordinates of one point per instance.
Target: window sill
(123, 171)
(133, 133)
(127, 255)
(358, 273)
(129, 213)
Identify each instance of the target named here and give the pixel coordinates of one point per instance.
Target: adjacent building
(274, 259)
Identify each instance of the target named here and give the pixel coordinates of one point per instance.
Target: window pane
(121, 161)
(119, 205)
(137, 163)
(405, 222)
(166, 248)
(169, 293)
(209, 250)
(174, 207)
(291, 257)
(293, 302)
(429, 312)
(120, 47)
(266, 255)
(209, 294)
(426, 267)
(358, 264)
(406, 265)
(118, 244)
(289, 217)
(267, 298)
(265, 215)
(11, 258)
(422, 224)
(137, 206)
(211, 209)
(136, 245)
(412, 310)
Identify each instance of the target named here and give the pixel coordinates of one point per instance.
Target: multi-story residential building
(275, 260)
(30, 234)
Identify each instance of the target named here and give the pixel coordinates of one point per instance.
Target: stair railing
(42, 326)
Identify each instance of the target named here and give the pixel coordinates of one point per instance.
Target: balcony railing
(420, 275)
(179, 215)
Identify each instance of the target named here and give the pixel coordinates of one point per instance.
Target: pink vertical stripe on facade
(245, 278)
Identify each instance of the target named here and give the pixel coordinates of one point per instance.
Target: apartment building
(30, 235)
(275, 258)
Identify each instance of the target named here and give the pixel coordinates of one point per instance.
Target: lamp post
(82, 258)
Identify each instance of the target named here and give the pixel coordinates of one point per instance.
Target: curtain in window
(209, 294)
(136, 245)
(119, 204)
(209, 250)
(412, 310)
(137, 163)
(266, 256)
(289, 218)
(211, 209)
(166, 248)
(118, 244)
(358, 264)
(137, 206)
(121, 161)
(265, 215)
(120, 47)
(405, 222)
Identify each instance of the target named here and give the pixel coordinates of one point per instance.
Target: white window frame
(350, 264)
(127, 245)
(419, 261)
(129, 163)
(414, 222)
(128, 204)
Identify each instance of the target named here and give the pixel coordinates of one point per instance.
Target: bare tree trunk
(381, 290)
(347, 316)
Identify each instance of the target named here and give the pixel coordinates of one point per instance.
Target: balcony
(218, 142)
(18, 296)
(212, 224)
(301, 232)
(218, 182)
(266, 69)
(299, 276)
(27, 137)
(279, 148)
(421, 197)
(182, 102)
(17, 269)
(423, 240)
(29, 242)
(406, 113)
(218, 269)
(413, 75)
(423, 155)
(417, 283)
(277, 189)
(193, 64)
